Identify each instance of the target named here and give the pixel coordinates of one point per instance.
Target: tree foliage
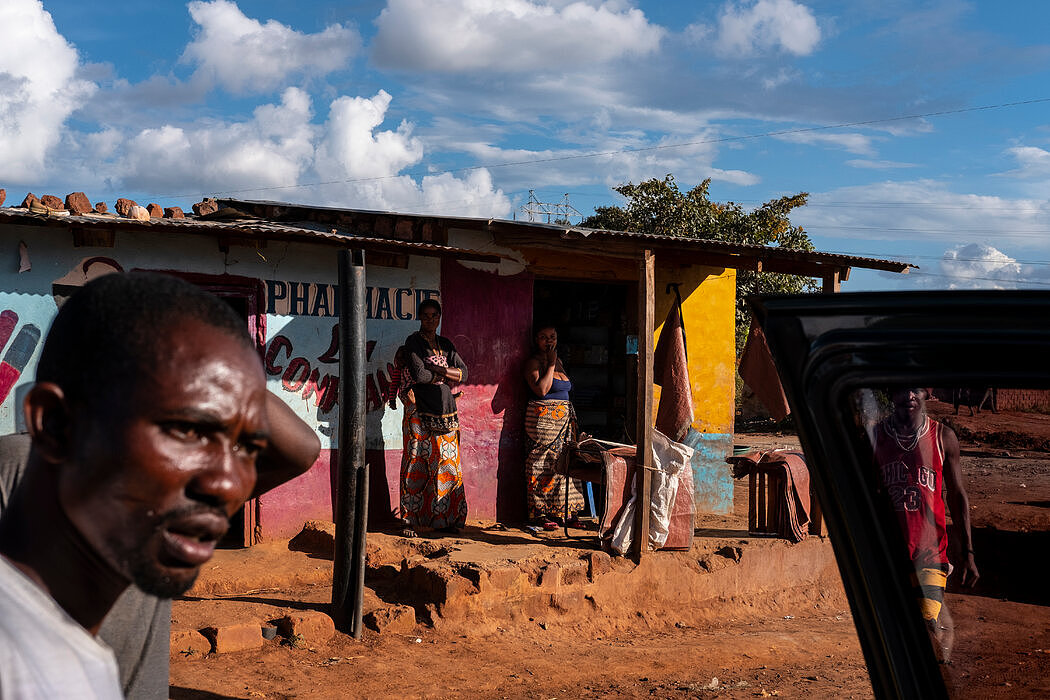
(659, 207)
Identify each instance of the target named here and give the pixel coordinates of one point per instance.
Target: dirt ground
(731, 659)
(794, 650)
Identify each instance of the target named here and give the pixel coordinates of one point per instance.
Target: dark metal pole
(351, 496)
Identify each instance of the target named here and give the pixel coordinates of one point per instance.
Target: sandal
(545, 523)
(409, 533)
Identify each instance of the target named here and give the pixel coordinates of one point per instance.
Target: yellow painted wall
(708, 303)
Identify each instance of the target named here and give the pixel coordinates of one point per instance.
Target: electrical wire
(910, 258)
(964, 278)
(422, 169)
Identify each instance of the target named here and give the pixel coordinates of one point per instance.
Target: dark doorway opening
(594, 322)
(243, 523)
(245, 296)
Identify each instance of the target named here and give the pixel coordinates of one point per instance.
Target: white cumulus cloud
(270, 150)
(39, 88)
(245, 55)
(353, 149)
(977, 266)
(1032, 162)
(362, 165)
(513, 36)
(279, 153)
(764, 26)
(854, 143)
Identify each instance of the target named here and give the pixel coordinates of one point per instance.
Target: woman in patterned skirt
(550, 423)
(432, 494)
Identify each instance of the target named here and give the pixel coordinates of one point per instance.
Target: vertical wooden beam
(351, 496)
(832, 281)
(832, 285)
(644, 415)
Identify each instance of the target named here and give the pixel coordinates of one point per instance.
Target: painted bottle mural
(18, 353)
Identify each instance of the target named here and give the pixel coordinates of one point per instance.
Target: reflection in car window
(965, 474)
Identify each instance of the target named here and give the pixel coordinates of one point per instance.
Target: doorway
(245, 296)
(594, 323)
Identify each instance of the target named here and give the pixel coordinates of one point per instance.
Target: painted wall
(708, 302)
(302, 363)
(488, 314)
(300, 315)
(493, 338)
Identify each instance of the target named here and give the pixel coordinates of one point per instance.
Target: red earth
(803, 645)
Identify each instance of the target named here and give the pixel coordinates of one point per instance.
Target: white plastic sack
(670, 460)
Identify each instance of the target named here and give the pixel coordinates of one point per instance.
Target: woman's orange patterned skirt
(549, 424)
(432, 493)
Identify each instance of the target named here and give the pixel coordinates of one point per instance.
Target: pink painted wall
(489, 318)
(283, 510)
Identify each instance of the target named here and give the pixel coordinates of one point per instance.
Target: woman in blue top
(550, 423)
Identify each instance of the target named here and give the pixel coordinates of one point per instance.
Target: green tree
(659, 207)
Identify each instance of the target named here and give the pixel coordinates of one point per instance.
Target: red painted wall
(283, 510)
(489, 318)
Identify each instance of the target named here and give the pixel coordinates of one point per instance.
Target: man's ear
(48, 420)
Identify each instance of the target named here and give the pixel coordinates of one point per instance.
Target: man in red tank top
(917, 458)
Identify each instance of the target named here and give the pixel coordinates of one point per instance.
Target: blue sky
(920, 129)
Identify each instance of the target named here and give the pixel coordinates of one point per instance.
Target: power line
(924, 205)
(952, 232)
(909, 258)
(421, 169)
(983, 279)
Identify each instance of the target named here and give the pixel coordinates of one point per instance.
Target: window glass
(965, 475)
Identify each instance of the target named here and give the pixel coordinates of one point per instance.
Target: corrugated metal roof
(243, 228)
(748, 249)
(270, 220)
(697, 245)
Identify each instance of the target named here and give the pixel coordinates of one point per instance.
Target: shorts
(930, 583)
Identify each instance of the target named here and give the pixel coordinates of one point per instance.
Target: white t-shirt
(44, 653)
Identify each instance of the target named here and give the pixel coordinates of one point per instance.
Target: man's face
(908, 403)
(153, 481)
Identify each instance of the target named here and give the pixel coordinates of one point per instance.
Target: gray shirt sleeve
(138, 630)
(14, 452)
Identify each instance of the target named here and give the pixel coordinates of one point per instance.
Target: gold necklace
(913, 440)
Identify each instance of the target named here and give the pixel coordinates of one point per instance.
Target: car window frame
(825, 347)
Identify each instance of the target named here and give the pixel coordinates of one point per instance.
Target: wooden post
(832, 285)
(644, 417)
(832, 282)
(351, 496)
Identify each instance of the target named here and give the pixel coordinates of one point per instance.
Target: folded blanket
(794, 497)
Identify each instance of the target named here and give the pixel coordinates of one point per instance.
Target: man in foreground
(150, 425)
(917, 456)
